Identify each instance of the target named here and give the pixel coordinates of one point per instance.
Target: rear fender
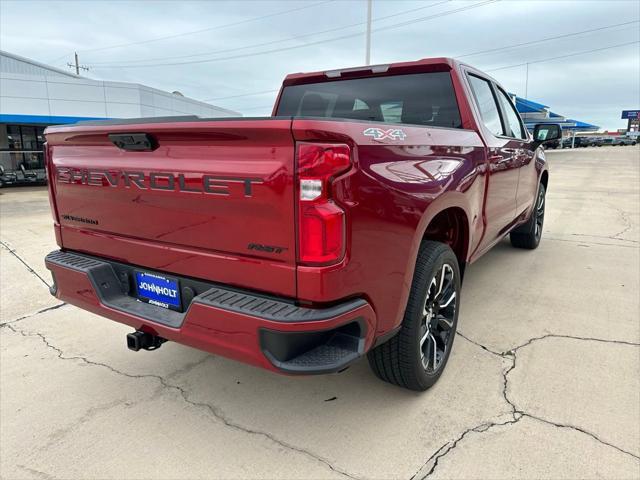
(440, 204)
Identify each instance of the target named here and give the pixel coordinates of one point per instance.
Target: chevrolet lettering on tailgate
(199, 183)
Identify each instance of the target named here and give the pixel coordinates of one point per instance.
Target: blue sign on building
(630, 114)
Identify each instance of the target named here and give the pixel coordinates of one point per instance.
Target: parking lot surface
(543, 380)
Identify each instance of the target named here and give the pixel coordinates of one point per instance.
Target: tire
(401, 360)
(529, 235)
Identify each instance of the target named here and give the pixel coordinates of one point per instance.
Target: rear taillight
(321, 222)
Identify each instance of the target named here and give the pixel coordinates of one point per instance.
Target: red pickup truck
(339, 226)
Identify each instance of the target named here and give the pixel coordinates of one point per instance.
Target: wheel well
(544, 179)
(451, 227)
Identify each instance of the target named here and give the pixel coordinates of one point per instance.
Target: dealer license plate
(159, 290)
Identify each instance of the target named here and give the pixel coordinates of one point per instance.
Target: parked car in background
(619, 141)
(574, 142)
(594, 141)
(340, 227)
(553, 144)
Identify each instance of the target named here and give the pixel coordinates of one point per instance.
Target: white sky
(593, 87)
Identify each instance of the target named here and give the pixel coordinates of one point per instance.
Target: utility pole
(77, 65)
(368, 48)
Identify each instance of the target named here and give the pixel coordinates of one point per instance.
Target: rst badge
(382, 134)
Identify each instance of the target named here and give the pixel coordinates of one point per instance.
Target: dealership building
(34, 95)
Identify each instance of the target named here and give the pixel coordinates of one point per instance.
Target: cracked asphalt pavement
(543, 380)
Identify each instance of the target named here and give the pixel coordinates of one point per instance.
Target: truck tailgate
(207, 199)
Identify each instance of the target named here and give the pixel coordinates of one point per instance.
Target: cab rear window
(426, 99)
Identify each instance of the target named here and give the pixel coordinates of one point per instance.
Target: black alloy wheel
(438, 316)
(529, 234)
(539, 214)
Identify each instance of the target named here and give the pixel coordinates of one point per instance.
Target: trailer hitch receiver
(143, 340)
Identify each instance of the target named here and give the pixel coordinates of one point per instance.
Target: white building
(34, 95)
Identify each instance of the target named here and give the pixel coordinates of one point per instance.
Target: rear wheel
(529, 235)
(416, 357)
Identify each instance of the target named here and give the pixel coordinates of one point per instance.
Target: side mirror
(546, 132)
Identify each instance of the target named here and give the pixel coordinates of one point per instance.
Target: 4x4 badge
(381, 134)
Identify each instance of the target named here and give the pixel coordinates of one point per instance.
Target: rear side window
(514, 126)
(486, 104)
(420, 99)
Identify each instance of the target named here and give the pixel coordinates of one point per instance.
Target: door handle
(499, 159)
(524, 156)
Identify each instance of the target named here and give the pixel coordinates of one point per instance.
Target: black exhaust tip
(139, 340)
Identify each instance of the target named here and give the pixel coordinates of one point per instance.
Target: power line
(546, 39)
(242, 95)
(217, 27)
(273, 42)
(563, 56)
(193, 32)
(294, 47)
(472, 53)
(270, 107)
(479, 52)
